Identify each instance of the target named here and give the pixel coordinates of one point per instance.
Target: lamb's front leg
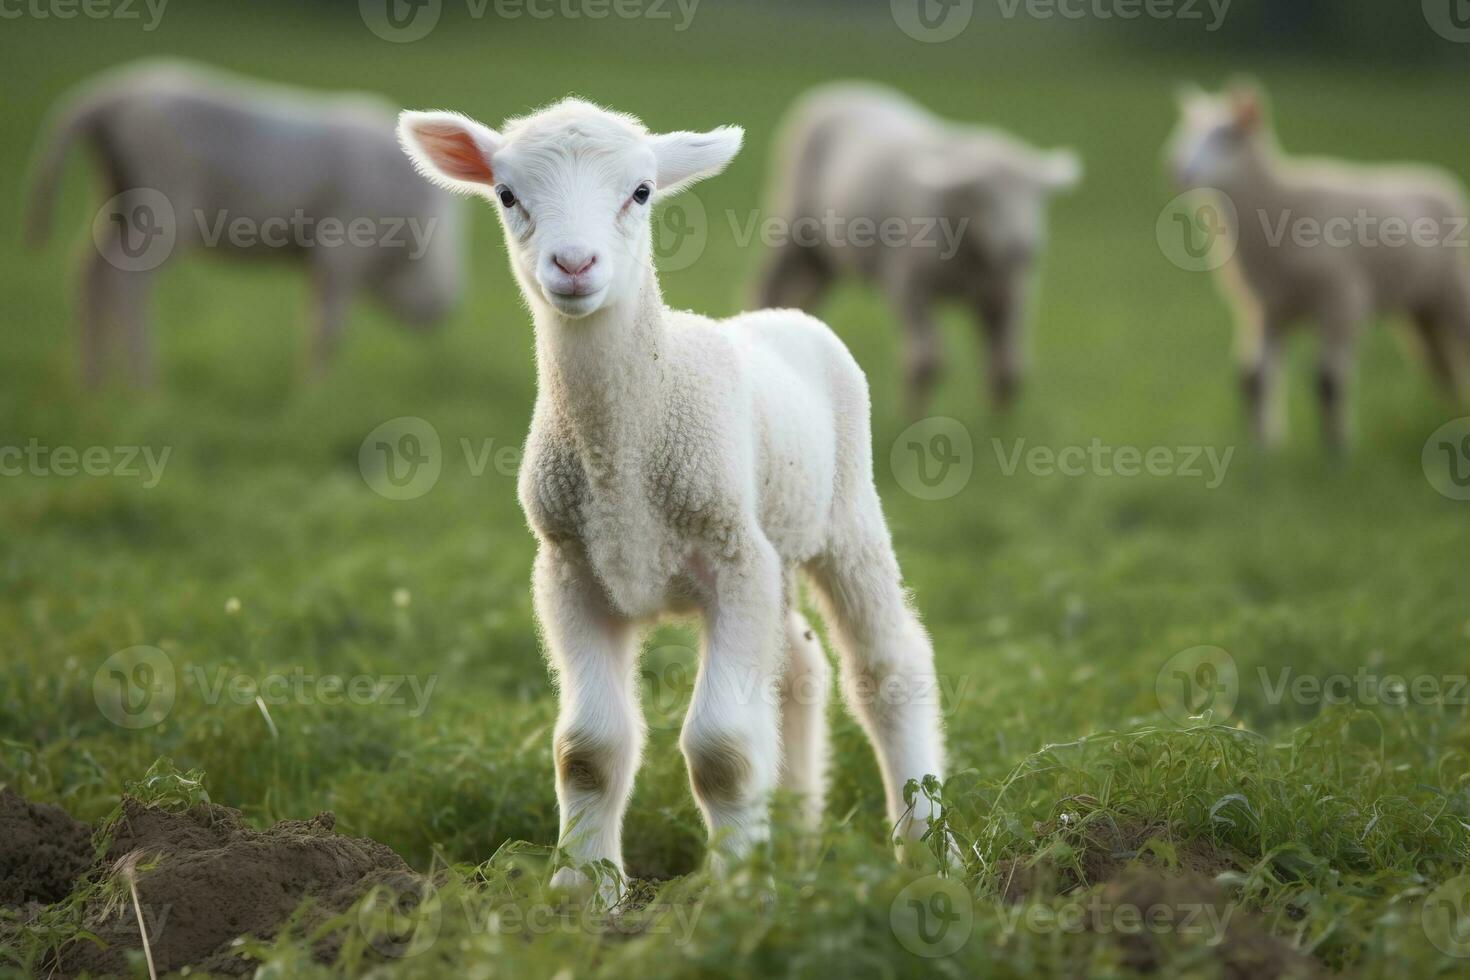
(731, 738)
(599, 729)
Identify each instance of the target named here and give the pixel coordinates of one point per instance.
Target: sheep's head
(1217, 136)
(1001, 196)
(573, 184)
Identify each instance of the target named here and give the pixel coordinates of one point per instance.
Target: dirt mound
(203, 879)
(42, 851)
(1198, 912)
(1100, 850)
(1153, 895)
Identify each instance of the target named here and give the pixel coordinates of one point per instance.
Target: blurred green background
(1053, 601)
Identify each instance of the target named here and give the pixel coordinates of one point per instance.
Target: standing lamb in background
(1328, 241)
(679, 464)
(972, 202)
(315, 178)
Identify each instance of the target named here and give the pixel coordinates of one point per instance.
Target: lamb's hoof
(605, 892)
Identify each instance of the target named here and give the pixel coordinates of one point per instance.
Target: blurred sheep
(1323, 241)
(871, 184)
(200, 158)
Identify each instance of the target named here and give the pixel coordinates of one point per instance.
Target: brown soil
(1115, 863)
(203, 879)
(42, 851)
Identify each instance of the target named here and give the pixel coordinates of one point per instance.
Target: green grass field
(1055, 602)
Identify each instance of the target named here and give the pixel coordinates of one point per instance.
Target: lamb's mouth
(577, 303)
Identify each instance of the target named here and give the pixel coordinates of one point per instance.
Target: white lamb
(964, 207)
(1324, 241)
(679, 464)
(247, 169)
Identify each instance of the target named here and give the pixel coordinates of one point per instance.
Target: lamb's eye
(506, 197)
(643, 193)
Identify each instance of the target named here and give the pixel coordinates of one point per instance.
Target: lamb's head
(995, 194)
(1218, 136)
(573, 184)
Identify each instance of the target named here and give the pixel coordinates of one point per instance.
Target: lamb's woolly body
(972, 201)
(674, 464)
(224, 149)
(1285, 270)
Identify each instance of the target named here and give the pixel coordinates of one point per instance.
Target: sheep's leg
(1261, 384)
(731, 738)
(922, 354)
(794, 278)
(599, 729)
(1000, 315)
(1439, 352)
(1334, 373)
(804, 715)
(92, 318)
(130, 294)
(1455, 320)
(887, 662)
(333, 295)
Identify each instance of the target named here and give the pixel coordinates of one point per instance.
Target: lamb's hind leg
(731, 738)
(804, 690)
(1439, 352)
(93, 314)
(887, 661)
(599, 730)
(1335, 363)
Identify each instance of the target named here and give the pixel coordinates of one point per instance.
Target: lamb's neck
(1259, 185)
(602, 376)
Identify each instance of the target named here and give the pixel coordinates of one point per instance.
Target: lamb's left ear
(450, 149)
(684, 158)
(1248, 105)
(1060, 170)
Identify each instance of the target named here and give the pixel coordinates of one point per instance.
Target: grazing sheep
(971, 203)
(679, 464)
(247, 169)
(1325, 241)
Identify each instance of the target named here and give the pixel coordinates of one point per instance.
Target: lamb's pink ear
(684, 158)
(1248, 105)
(450, 149)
